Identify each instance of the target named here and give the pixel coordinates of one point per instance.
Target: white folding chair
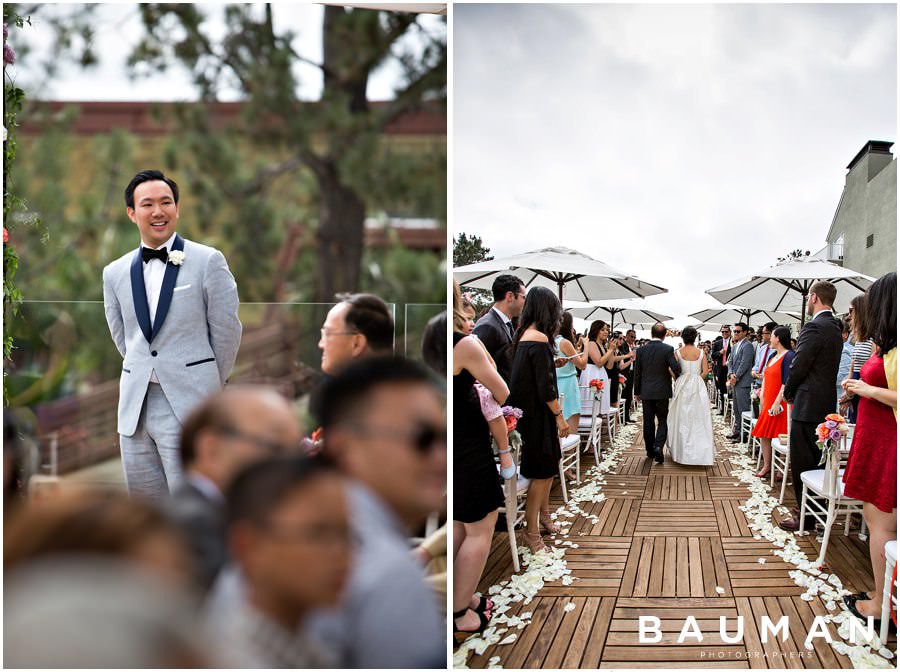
(571, 456)
(729, 409)
(781, 458)
(747, 423)
(889, 597)
(590, 426)
(515, 490)
(828, 484)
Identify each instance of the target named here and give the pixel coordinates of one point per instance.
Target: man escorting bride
(690, 422)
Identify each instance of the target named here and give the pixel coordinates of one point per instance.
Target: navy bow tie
(147, 254)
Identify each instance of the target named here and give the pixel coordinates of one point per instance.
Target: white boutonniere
(176, 257)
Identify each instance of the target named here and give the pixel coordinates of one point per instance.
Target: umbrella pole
(803, 311)
(559, 285)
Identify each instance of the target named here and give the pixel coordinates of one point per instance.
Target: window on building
(870, 240)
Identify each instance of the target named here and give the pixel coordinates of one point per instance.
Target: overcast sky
(687, 145)
(119, 29)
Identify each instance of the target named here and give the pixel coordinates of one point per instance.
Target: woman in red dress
(871, 472)
(772, 420)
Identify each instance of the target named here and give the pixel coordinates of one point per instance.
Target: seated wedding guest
(871, 472)
(229, 430)
(385, 428)
(772, 420)
(496, 328)
(476, 488)
(98, 612)
(359, 325)
(763, 354)
(571, 354)
(810, 387)
(542, 423)
(863, 347)
(846, 357)
(290, 536)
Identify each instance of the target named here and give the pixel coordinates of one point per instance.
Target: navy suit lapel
(168, 285)
(139, 295)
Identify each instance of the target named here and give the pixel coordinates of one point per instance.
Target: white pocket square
(178, 289)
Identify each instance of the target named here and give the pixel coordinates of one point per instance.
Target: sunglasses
(424, 438)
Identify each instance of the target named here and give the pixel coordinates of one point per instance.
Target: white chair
(515, 490)
(828, 484)
(747, 423)
(729, 410)
(781, 458)
(571, 456)
(591, 426)
(889, 597)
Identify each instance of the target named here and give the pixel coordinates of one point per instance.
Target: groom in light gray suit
(740, 366)
(171, 306)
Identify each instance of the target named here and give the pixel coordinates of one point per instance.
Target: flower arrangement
(597, 384)
(512, 415)
(830, 433)
(756, 393)
(621, 379)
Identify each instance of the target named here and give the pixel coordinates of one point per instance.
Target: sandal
(484, 605)
(547, 524)
(461, 635)
(850, 601)
(535, 542)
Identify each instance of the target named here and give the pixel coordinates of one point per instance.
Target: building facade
(863, 233)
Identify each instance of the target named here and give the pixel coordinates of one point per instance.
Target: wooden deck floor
(670, 541)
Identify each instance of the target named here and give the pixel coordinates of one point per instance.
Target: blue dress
(567, 384)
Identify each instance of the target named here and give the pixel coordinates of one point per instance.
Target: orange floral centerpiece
(830, 433)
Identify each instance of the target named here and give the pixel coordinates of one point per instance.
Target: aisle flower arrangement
(830, 434)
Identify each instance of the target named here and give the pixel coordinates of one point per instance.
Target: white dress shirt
(154, 272)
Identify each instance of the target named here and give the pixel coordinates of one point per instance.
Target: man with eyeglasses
(496, 328)
(359, 325)
(384, 426)
(229, 430)
(739, 367)
(721, 350)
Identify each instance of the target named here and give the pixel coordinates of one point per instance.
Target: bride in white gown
(690, 422)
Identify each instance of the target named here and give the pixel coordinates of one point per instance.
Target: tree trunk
(339, 239)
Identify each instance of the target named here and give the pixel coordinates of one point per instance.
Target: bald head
(239, 425)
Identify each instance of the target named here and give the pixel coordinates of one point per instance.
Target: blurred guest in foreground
(384, 426)
(290, 535)
(226, 432)
(871, 472)
(359, 325)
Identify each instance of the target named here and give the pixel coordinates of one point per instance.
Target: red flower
(596, 383)
(317, 435)
(511, 423)
(5, 235)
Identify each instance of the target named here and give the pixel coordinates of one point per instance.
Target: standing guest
(613, 370)
(178, 343)
(359, 325)
(627, 369)
(542, 424)
(571, 353)
(598, 356)
(739, 368)
(810, 387)
(476, 489)
(871, 473)
(764, 352)
(653, 370)
(772, 421)
(284, 513)
(846, 357)
(226, 432)
(721, 351)
(496, 328)
(863, 347)
(384, 426)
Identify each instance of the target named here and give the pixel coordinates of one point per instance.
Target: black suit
(811, 390)
(202, 520)
(653, 384)
(497, 339)
(720, 371)
(628, 388)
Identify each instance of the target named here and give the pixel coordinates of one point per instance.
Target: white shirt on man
(154, 272)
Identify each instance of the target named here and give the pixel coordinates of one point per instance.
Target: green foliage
(469, 250)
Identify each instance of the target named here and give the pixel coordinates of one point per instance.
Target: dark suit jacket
(810, 386)
(495, 336)
(203, 522)
(629, 372)
(717, 353)
(652, 379)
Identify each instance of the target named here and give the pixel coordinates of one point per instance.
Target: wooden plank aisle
(671, 541)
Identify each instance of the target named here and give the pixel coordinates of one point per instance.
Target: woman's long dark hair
(881, 312)
(567, 329)
(862, 330)
(596, 327)
(542, 309)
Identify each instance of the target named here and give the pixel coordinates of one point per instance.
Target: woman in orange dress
(772, 420)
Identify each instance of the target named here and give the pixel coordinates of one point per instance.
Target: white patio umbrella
(716, 317)
(575, 276)
(785, 286)
(625, 311)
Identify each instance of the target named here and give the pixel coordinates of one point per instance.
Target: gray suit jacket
(194, 339)
(741, 362)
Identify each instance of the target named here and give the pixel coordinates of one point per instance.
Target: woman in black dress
(533, 385)
(476, 485)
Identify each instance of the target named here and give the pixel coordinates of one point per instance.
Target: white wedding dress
(690, 437)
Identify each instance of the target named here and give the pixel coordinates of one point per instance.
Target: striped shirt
(861, 353)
